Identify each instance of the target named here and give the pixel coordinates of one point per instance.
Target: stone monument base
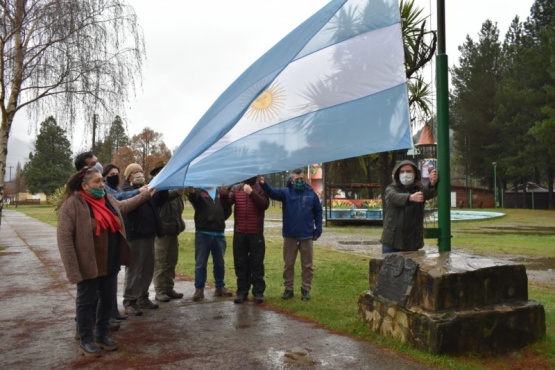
(452, 303)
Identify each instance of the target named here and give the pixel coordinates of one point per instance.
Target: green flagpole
(443, 160)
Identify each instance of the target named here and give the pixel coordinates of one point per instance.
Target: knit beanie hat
(132, 167)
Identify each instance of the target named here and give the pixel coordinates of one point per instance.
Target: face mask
(138, 179)
(97, 193)
(113, 181)
(98, 166)
(406, 178)
(298, 184)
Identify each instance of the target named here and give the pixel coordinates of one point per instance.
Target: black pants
(248, 256)
(94, 299)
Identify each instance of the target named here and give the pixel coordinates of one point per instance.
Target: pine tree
(474, 101)
(50, 165)
(116, 139)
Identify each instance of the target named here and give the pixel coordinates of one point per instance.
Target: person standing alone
(403, 224)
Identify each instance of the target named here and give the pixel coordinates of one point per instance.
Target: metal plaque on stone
(396, 278)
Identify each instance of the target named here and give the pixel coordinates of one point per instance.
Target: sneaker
(133, 310)
(240, 299)
(288, 294)
(106, 343)
(259, 298)
(199, 295)
(162, 298)
(305, 295)
(148, 304)
(222, 292)
(90, 349)
(174, 295)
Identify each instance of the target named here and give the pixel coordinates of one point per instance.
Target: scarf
(104, 217)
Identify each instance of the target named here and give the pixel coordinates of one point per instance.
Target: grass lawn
(341, 277)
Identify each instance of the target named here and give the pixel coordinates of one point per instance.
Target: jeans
(291, 247)
(204, 245)
(387, 249)
(98, 295)
(248, 257)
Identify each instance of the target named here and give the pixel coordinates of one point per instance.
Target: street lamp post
(495, 182)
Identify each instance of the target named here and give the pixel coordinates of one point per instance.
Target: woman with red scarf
(93, 246)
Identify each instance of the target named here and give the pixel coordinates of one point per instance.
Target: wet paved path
(38, 308)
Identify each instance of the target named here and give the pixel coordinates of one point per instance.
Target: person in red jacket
(249, 246)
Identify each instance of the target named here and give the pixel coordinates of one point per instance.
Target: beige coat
(84, 254)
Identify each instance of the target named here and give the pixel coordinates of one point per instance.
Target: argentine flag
(333, 88)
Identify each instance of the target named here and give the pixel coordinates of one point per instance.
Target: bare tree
(72, 57)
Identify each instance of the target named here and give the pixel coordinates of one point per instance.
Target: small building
(529, 195)
(13, 197)
(472, 197)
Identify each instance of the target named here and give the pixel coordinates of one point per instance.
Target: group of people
(302, 224)
(102, 226)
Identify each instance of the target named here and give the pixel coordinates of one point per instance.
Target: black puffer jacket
(143, 222)
(210, 214)
(403, 224)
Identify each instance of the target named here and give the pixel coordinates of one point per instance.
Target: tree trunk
(550, 188)
(8, 112)
(5, 128)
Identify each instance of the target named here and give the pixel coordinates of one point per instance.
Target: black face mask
(113, 181)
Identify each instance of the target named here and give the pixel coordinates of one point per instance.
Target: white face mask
(138, 179)
(406, 178)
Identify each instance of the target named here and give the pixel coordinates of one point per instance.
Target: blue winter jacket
(302, 211)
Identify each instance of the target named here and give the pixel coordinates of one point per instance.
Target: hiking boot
(305, 295)
(133, 310)
(106, 343)
(222, 292)
(90, 349)
(148, 304)
(259, 298)
(162, 298)
(114, 326)
(288, 294)
(119, 316)
(174, 295)
(199, 294)
(240, 299)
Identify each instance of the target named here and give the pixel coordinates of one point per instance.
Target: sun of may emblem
(268, 104)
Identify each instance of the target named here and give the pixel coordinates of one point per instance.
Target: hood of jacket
(395, 173)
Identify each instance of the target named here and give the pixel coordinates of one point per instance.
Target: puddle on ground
(536, 264)
(356, 242)
(512, 230)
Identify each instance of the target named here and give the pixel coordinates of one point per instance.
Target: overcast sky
(196, 49)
